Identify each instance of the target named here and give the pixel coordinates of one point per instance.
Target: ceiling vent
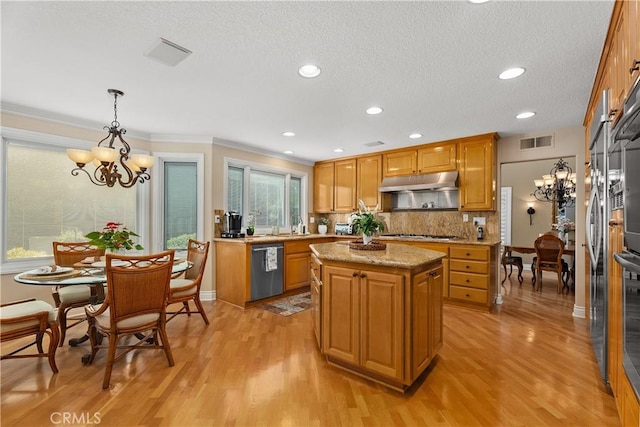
(536, 142)
(167, 52)
(374, 143)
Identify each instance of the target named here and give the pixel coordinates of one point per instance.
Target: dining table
(569, 250)
(91, 274)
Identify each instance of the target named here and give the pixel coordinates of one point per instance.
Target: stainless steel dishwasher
(267, 266)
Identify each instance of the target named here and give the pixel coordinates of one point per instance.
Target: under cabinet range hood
(431, 181)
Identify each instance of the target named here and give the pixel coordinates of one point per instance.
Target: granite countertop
(394, 255)
(287, 237)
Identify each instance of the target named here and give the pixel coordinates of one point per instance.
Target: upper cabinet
(440, 157)
(477, 156)
(399, 163)
(633, 29)
(323, 186)
(334, 186)
(369, 178)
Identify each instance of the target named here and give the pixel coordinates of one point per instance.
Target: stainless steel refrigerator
(598, 232)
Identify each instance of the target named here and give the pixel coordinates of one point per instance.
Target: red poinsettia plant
(115, 237)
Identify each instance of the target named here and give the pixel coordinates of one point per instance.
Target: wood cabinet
(381, 323)
(477, 180)
(400, 163)
(368, 180)
(633, 29)
(614, 301)
(472, 276)
(439, 157)
(334, 186)
(316, 299)
(323, 186)
(297, 256)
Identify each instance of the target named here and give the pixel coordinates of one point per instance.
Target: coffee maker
(232, 225)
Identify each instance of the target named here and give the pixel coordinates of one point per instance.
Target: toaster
(343, 228)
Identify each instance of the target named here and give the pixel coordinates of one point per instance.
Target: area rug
(289, 305)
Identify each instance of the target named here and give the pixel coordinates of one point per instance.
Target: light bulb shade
(96, 163)
(133, 166)
(562, 174)
(538, 182)
(548, 182)
(142, 160)
(104, 154)
(79, 156)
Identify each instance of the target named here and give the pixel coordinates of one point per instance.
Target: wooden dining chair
(187, 288)
(135, 305)
(66, 298)
(549, 251)
(508, 259)
(25, 318)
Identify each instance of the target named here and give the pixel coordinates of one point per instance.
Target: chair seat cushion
(75, 293)
(104, 320)
(179, 283)
(25, 309)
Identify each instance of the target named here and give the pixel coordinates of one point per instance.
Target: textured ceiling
(432, 66)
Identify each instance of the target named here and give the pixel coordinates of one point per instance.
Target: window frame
(247, 166)
(158, 193)
(31, 138)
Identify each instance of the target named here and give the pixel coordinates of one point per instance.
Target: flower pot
(250, 231)
(322, 229)
(366, 239)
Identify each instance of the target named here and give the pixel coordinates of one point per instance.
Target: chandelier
(112, 164)
(557, 187)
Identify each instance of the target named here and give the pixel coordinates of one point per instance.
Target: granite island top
(394, 255)
(288, 237)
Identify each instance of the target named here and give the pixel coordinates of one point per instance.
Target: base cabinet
(386, 326)
(472, 275)
(316, 299)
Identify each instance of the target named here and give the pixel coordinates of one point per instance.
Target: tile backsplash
(427, 222)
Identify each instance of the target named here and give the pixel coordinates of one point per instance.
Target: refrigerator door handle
(594, 202)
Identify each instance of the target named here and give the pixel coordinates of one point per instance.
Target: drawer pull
(354, 274)
(468, 295)
(363, 275)
(468, 254)
(466, 266)
(467, 280)
(635, 66)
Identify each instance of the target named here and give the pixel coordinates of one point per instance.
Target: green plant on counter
(366, 221)
(323, 221)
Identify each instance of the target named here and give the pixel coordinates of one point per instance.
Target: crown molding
(256, 150)
(192, 139)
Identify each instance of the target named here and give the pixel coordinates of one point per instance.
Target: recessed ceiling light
(511, 73)
(288, 133)
(338, 150)
(374, 110)
(478, 1)
(415, 135)
(288, 152)
(525, 115)
(309, 71)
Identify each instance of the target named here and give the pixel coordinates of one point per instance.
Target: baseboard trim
(207, 295)
(579, 311)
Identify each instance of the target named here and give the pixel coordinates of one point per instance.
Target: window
(43, 202)
(273, 197)
(180, 204)
(178, 199)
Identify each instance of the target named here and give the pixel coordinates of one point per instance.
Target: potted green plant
(251, 227)
(323, 222)
(366, 222)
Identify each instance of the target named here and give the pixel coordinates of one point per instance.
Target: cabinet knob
(467, 280)
(362, 275)
(466, 266)
(613, 112)
(468, 295)
(468, 254)
(354, 274)
(635, 66)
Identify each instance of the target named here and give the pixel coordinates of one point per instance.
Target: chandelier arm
(76, 171)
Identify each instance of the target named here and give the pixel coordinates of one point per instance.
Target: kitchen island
(378, 314)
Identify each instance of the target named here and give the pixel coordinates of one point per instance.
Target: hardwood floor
(528, 364)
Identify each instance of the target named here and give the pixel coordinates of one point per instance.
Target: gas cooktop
(421, 236)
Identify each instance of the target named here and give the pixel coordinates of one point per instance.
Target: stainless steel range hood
(432, 181)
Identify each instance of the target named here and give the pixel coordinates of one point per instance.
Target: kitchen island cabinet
(381, 311)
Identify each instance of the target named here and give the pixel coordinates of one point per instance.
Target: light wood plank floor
(528, 364)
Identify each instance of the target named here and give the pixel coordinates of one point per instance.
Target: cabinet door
(477, 174)
(341, 313)
(315, 310)
(400, 163)
(368, 180)
(437, 158)
(323, 174)
(614, 316)
(297, 273)
(345, 186)
(435, 311)
(382, 305)
(633, 29)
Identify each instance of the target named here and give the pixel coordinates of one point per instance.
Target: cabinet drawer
(469, 266)
(480, 281)
(468, 294)
(297, 246)
(469, 252)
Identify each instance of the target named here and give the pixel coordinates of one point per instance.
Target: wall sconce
(530, 211)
